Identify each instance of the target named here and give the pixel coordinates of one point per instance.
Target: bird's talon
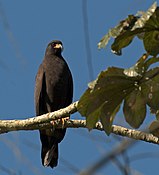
(52, 122)
(62, 121)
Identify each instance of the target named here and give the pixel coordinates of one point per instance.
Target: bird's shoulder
(39, 75)
(55, 65)
(53, 59)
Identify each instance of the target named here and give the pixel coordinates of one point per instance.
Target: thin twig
(10, 35)
(87, 39)
(125, 144)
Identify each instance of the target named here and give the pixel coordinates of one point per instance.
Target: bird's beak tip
(58, 46)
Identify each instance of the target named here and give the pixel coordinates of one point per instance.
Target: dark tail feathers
(49, 156)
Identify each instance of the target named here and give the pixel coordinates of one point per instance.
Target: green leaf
(136, 86)
(134, 108)
(102, 102)
(151, 36)
(139, 68)
(146, 26)
(150, 61)
(157, 114)
(148, 91)
(142, 26)
(124, 40)
(108, 120)
(124, 25)
(92, 84)
(150, 88)
(151, 42)
(104, 41)
(145, 17)
(154, 128)
(91, 120)
(152, 22)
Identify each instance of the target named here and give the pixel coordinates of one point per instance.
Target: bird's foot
(62, 121)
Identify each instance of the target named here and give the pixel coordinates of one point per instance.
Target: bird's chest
(55, 76)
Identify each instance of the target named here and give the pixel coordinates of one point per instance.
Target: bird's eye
(53, 44)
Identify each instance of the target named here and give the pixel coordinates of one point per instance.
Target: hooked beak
(58, 46)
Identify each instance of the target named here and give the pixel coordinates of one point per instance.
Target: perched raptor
(53, 91)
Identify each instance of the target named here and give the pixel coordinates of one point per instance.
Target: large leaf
(124, 40)
(135, 108)
(130, 27)
(150, 88)
(144, 16)
(102, 102)
(108, 121)
(151, 37)
(152, 22)
(137, 86)
(149, 62)
(146, 26)
(146, 91)
(154, 128)
(124, 25)
(140, 67)
(151, 42)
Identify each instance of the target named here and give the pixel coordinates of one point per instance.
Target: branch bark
(38, 122)
(43, 122)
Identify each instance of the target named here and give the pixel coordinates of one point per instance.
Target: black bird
(53, 91)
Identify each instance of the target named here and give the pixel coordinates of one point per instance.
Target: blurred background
(26, 27)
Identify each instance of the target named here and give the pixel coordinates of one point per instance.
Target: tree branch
(43, 122)
(38, 122)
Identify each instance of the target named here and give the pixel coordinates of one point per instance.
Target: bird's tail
(49, 156)
(49, 150)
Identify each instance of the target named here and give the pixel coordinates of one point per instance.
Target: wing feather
(39, 81)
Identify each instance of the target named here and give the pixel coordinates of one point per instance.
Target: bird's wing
(70, 91)
(39, 84)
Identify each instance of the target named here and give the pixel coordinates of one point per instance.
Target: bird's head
(54, 47)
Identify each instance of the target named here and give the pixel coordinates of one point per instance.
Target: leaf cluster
(145, 27)
(136, 87)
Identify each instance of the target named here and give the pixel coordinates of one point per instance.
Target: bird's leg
(62, 121)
